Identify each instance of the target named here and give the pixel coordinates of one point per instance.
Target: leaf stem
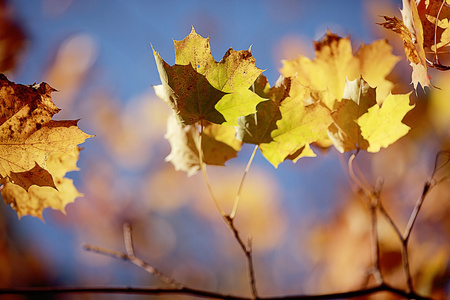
(238, 195)
(205, 174)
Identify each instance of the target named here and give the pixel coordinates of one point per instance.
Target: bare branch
(415, 212)
(204, 294)
(376, 271)
(229, 218)
(248, 256)
(128, 240)
(130, 256)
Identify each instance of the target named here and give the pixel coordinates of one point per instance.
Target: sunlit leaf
(382, 126)
(29, 138)
(199, 88)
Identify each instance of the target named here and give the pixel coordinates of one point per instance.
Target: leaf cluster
(338, 99)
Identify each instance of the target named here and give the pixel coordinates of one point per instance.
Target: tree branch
(230, 218)
(204, 294)
(131, 257)
(248, 255)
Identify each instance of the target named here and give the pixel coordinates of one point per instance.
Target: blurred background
(310, 232)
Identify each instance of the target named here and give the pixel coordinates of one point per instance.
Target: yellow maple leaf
(382, 126)
(199, 88)
(33, 147)
(37, 198)
(335, 62)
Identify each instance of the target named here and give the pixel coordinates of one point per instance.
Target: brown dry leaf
(29, 139)
(434, 16)
(412, 35)
(38, 198)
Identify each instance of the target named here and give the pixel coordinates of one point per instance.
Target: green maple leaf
(188, 93)
(218, 92)
(382, 126)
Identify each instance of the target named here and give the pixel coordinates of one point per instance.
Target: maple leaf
(411, 33)
(188, 93)
(218, 145)
(345, 132)
(29, 138)
(283, 126)
(199, 88)
(360, 123)
(382, 126)
(434, 16)
(256, 128)
(37, 198)
(335, 62)
(298, 127)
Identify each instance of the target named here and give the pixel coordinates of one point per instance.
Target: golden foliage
(34, 149)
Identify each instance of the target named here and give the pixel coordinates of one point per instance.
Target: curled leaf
(218, 145)
(412, 34)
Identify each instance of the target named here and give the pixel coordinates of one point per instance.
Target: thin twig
(128, 240)
(390, 220)
(131, 257)
(415, 212)
(373, 200)
(357, 178)
(238, 195)
(374, 203)
(247, 249)
(413, 217)
(405, 237)
(228, 219)
(404, 247)
(429, 185)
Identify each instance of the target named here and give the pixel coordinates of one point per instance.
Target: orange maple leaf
(29, 138)
(411, 32)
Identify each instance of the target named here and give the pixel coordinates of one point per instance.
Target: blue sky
(124, 31)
